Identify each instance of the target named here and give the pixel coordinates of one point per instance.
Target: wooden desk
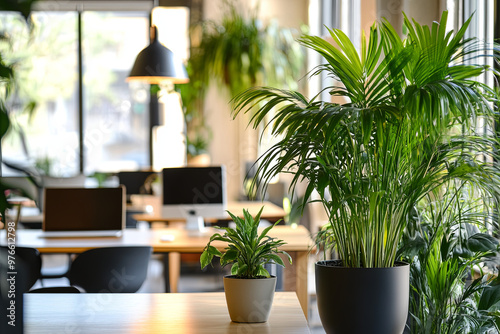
(271, 212)
(152, 313)
(298, 243)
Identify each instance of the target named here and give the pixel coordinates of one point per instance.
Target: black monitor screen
(83, 209)
(193, 185)
(134, 181)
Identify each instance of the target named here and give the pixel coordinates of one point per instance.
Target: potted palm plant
(249, 289)
(407, 128)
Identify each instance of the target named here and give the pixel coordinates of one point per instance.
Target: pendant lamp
(156, 64)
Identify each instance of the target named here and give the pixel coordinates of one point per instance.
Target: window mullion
(80, 94)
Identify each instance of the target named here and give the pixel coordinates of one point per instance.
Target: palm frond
(393, 144)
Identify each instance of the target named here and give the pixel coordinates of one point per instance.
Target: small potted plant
(250, 288)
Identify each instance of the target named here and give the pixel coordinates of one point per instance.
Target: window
(108, 128)
(47, 74)
(115, 114)
(334, 14)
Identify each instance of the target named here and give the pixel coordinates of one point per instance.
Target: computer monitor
(193, 193)
(137, 182)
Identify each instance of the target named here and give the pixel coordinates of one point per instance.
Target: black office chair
(56, 289)
(25, 261)
(111, 269)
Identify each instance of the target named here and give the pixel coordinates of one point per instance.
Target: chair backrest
(26, 262)
(111, 269)
(55, 289)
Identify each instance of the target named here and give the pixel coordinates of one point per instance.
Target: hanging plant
(236, 53)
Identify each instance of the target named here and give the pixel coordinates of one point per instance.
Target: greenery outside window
(47, 75)
(113, 114)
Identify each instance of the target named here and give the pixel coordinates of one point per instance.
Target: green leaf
(4, 121)
(482, 242)
(213, 251)
(205, 259)
(287, 256)
(3, 201)
(263, 272)
(241, 270)
(24, 6)
(5, 71)
(230, 256)
(234, 268)
(265, 231)
(29, 109)
(276, 259)
(367, 120)
(490, 298)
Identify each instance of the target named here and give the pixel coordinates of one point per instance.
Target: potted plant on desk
(249, 289)
(407, 126)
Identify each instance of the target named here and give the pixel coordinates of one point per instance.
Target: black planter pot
(362, 300)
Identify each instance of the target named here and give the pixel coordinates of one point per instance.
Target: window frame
(81, 6)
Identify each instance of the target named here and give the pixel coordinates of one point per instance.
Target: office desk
(152, 313)
(298, 243)
(271, 212)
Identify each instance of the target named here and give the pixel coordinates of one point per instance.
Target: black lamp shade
(156, 64)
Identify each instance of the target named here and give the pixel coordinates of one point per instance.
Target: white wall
(232, 141)
(423, 11)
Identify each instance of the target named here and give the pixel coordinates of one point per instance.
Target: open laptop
(83, 212)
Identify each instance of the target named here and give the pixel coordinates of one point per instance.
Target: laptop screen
(84, 209)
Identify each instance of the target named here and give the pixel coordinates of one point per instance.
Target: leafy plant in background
(24, 51)
(448, 245)
(236, 53)
(395, 140)
(247, 251)
(293, 208)
(199, 144)
(7, 84)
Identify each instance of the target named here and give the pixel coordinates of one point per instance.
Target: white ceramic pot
(249, 299)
